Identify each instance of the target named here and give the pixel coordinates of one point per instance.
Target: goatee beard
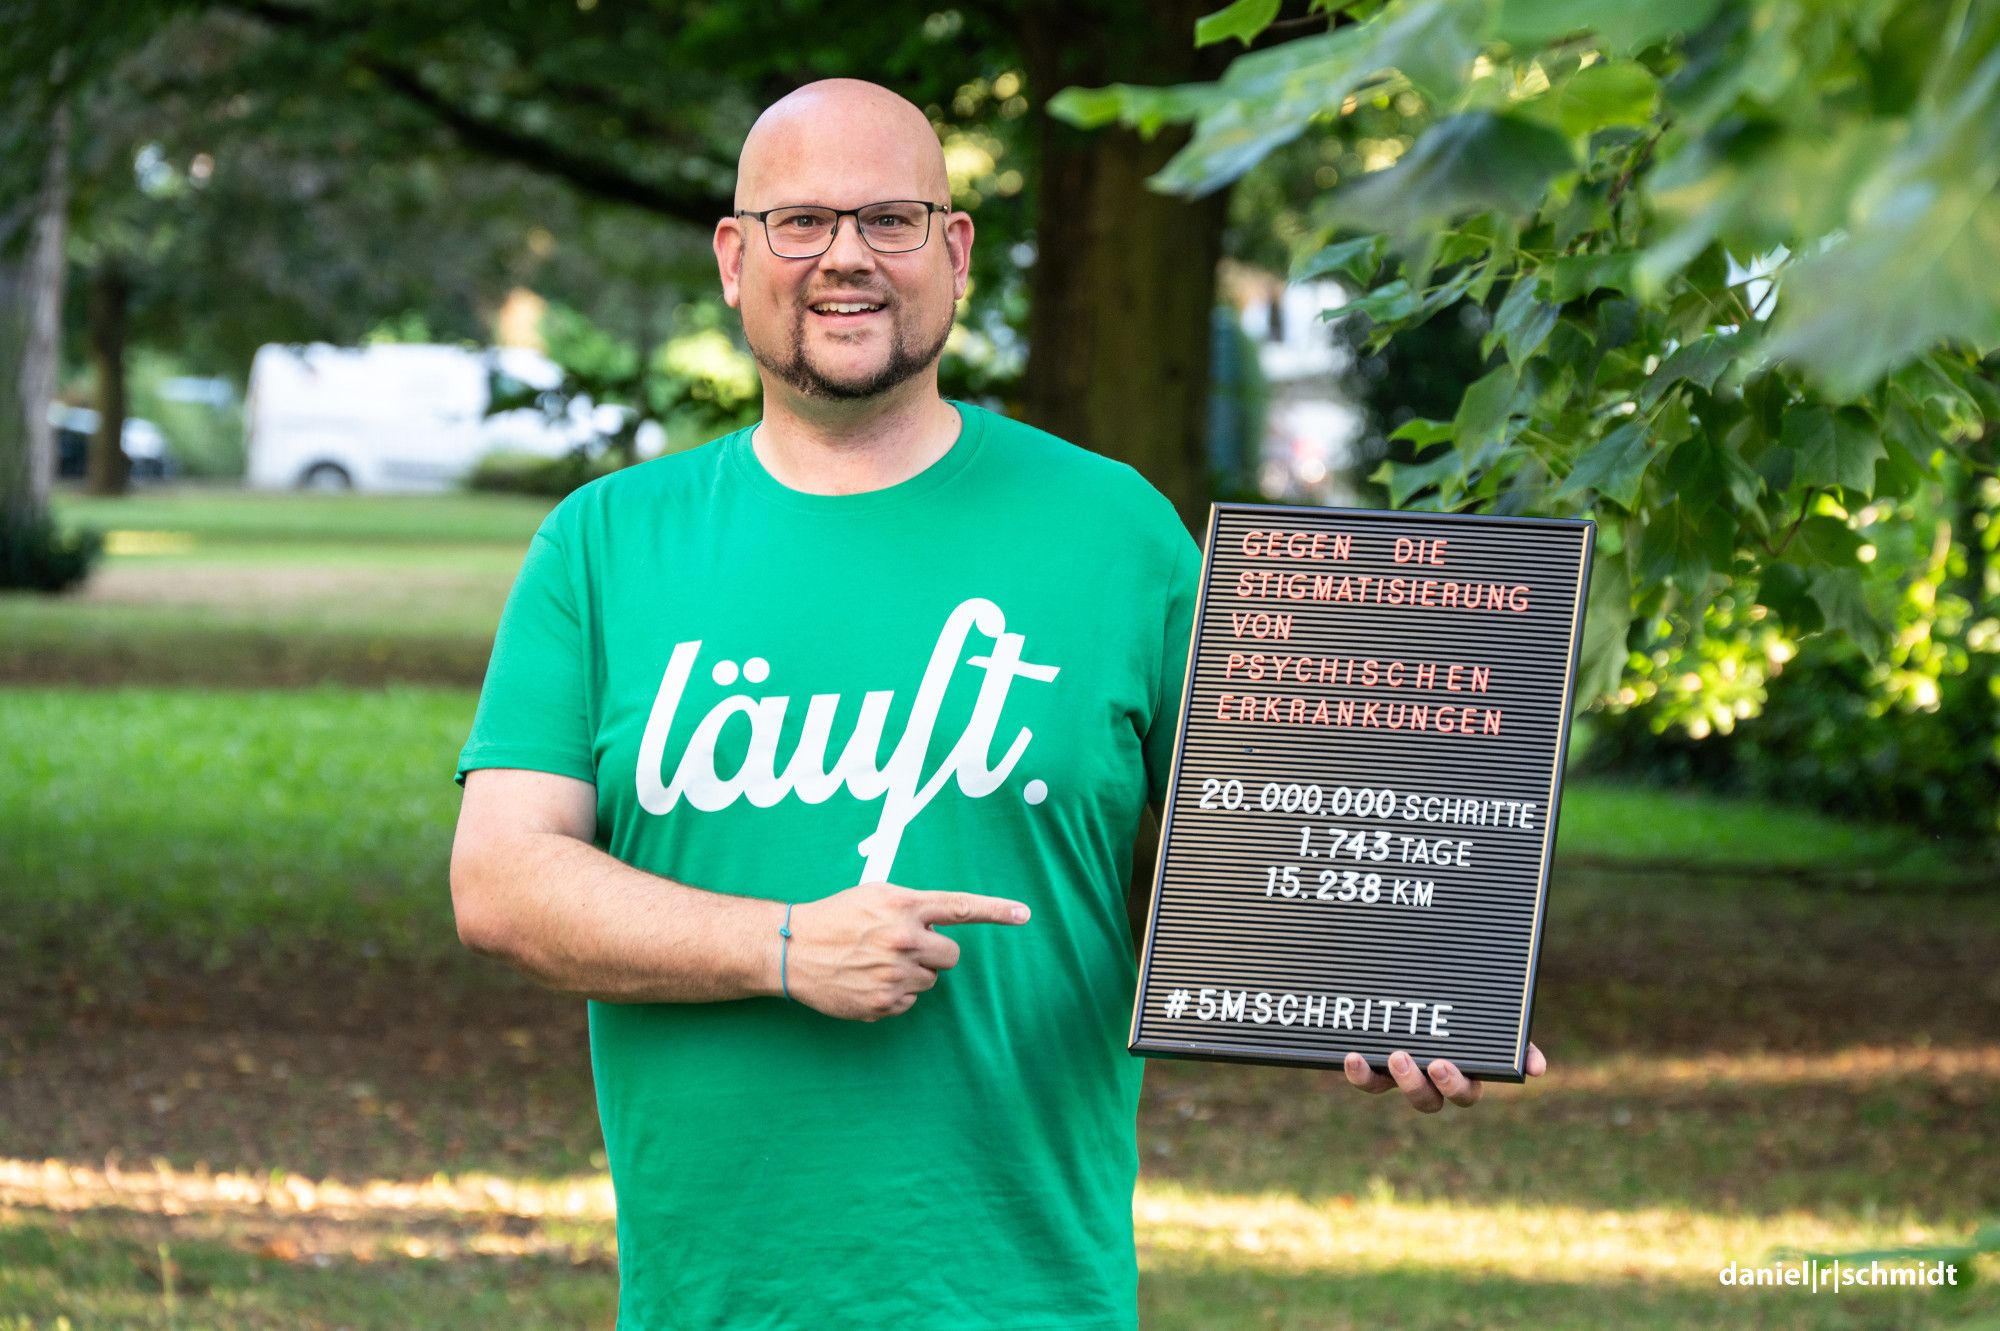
(905, 362)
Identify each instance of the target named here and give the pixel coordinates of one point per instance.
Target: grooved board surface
(1356, 845)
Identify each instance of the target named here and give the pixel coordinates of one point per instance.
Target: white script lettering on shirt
(900, 784)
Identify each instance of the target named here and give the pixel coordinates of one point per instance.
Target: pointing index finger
(968, 908)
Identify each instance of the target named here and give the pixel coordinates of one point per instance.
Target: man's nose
(848, 250)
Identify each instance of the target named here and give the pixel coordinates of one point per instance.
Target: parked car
(75, 427)
(394, 416)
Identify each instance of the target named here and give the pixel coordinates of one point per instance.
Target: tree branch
(1799, 521)
(591, 175)
(492, 137)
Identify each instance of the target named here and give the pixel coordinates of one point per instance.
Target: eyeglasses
(806, 232)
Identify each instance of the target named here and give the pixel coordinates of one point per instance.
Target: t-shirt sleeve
(1182, 584)
(532, 711)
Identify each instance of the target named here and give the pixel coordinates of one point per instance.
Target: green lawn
(252, 518)
(1605, 824)
(213, 588)
(251, 922)
(248, 1078)
(331, 809)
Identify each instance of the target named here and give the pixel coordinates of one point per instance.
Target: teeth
(845, 308)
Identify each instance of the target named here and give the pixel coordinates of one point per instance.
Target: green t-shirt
(970, 681)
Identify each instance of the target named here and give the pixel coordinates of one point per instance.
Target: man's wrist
(768, 954)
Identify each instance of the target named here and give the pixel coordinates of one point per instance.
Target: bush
(529, 474)
(36, 556)
(1827, 737)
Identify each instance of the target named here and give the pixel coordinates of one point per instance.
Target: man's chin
(848, 383)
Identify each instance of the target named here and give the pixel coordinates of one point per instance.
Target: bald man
(814, 757)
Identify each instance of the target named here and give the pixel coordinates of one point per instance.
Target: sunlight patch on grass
(148, 542)
(65, 1185)
(292, 1216)
(1179, 1226)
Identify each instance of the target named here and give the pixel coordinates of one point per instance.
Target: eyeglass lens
(889, 228)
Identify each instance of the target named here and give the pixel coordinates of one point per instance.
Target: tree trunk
(110, 299)
(1124, 278)
(30, 320)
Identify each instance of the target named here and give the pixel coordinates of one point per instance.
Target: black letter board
(1356, 845)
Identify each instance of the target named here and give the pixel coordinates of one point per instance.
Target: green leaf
(1613, 92)
(1779, 467)
(1613, 467)
(1607, 618)
(1699, 362)
(1910, 446)
(1144, 109)
(1422, 431)
(1243, 20)
(1266, 98)
(1783, 589)
(1521, 324)
(1825, 541)
(1482, 412)
(1469, 163)
(1446, 471)
(1089, 108)
(1919, 259)
(1837, 592)
(1357, 258)
(1625, 25)
(1684, 542)
(1749, 186)
(1833, 448)
(1385, 304)
(1576, 275)
(1710, 472)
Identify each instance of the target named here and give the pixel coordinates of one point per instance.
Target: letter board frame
(1270, 943)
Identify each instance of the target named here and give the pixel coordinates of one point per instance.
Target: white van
(395, 416)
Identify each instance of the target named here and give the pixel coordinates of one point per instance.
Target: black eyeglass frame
(833, 233)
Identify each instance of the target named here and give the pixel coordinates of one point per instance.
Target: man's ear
(958, 241)
(729, 258)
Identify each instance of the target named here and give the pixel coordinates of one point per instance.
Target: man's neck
(841, 448)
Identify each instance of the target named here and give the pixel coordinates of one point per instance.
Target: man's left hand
(1427, 1088)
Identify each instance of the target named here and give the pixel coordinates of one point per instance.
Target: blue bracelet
(785, 933)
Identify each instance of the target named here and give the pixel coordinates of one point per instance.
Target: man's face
(786, 304)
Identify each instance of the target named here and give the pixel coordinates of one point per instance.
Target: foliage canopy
(1739, 261)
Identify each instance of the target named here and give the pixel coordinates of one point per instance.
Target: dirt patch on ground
(318, 1060)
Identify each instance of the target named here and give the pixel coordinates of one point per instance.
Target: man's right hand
(866, 953)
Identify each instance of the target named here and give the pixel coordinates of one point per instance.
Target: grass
(214, 588)
(330, 1115)
(330, 809)
(319, 812)
(234, 517)
(1606, 824)
(248, 1078)
(459, 1251)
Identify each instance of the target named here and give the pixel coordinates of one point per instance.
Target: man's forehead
(841, 143)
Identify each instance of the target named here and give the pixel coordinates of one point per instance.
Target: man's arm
(528, 886)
